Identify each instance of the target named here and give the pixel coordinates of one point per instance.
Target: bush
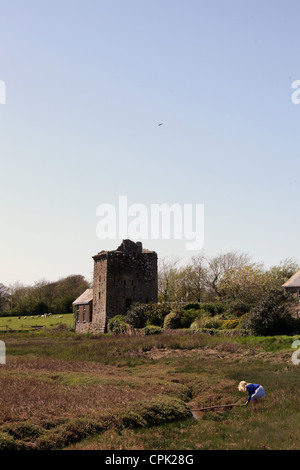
(191, 306)
(73, 431)
(137, 315)
(239, 308)
(206, 323)
(157, 313)
(163, 410)
(23, 431)
(117, 325)
(172, 321)
(230, 324)
(188, 316)
(213, 308)
(7, 442)
(152, 330)
(196, 325)
(244, 325)
(132, 419)
(271, 317)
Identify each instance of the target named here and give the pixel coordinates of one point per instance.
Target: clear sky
(88, 82)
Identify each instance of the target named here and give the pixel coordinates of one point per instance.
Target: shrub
(230, 324)
(239, 307)
(71, 432)
(164, 410)
(191, 306)
(212, 323)
(132, 419)
(152, 330)
(172, 321)
(161, 410)
(7, 442)
(196, 325)
(117, 325)
(78, 428)
(243, 327)
(23, 431)
(271, 317)
(137, 315)
(188, 316)
(206, 323)
(157, 313)
(213, 308)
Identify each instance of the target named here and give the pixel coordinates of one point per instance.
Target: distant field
(34, 321)
(63, 390)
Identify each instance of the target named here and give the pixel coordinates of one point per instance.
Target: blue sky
(88, 82)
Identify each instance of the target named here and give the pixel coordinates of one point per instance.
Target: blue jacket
(251, 389)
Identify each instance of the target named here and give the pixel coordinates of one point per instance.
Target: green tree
(271, 316)
(247, 283)
(220, 265)
(4, 296)
(281, 273)
(39, 308)
(57, 296)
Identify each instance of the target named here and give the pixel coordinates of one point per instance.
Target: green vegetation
(271, 315)
(34, 322)
(117, 325)
(42, 297)
(133, 387)
(229, 279)
(63, 390)
(22, 436)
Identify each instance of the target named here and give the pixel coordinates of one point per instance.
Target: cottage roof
(293, 281)
(84, 298)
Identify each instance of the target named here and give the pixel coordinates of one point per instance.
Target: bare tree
(220, 265)
(167, 278)
(198, 276)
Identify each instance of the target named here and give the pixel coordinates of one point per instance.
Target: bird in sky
(160, 124)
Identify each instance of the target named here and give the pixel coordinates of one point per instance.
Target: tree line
(42, 297)
(220, 294)
(227, 277)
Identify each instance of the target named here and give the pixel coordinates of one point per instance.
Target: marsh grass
(114, 392)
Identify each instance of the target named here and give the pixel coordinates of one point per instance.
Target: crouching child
(255, 392)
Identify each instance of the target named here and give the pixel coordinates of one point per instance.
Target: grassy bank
(64, 390)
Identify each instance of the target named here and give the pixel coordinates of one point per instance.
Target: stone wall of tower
(100, 292)
(131, 277)
(121, 278)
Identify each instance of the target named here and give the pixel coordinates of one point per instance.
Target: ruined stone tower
(121, 277)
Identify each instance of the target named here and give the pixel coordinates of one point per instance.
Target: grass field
(62, 390)
(35, 321)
